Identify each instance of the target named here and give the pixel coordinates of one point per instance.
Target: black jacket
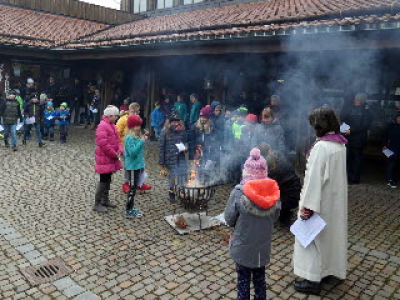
(77, 94)
(359, 119)
(10, 110)
(205, 140)
(392, 138)
(34, 110)
(169, 156)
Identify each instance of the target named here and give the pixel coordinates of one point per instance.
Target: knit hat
(12, 92)
(49, 103)
(64, 104)
(43, 96)
(205, 112)
(34, 96)
(174, 117)
(242, 111)
(255, 167)
(30, 80)
(111, 110)
(134, 120)
(252, 119)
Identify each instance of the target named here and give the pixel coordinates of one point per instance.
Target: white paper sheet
(1, 128)
(388, 152)
(50, 118)
(220, 218)
(181, 147)
(307, 230)
(344, 127)
(142, 178)
(30, 120)
(19, 126)
(210, 165)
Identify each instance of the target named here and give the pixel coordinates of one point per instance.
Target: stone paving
(46, 197)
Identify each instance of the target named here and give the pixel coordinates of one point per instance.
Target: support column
(5, 72)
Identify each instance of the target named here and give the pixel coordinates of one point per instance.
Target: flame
(193, 172)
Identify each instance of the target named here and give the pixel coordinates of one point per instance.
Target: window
(139, 6)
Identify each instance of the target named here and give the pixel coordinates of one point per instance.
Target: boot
(97, 200)
(308, 287)
(51, 137)
(6, 144)
(92, 127)
(106, 197)
(41, 144)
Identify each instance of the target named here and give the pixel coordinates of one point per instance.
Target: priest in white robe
(325, 193)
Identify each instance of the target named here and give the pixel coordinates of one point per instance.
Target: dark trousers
(76, 109)
(244, 279)
(63, 133)
(132, 193)
(355, 157)
(105, 177)
(393, 165)
(27, 131)
(48, 130)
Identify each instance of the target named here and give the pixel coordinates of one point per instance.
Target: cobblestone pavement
(45, 213)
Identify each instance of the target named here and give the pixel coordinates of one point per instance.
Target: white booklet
(344, 127)
(142, 178)
(307, 230)
(19, 126)
(1, 128)
(30, 121)
(181, 147)
(388, 152)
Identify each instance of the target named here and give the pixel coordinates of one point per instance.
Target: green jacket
(21, 102)
(237, 130)
(134, 153)
(195, 112)
(11, 112)
(181, 109)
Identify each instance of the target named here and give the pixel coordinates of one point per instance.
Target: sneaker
(14, 148)
(144, 187)
(41, 144)
(129, 214)
(126, 187)
(392, 184)
(136, 212)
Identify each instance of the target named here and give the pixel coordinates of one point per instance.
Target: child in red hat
(134, 161)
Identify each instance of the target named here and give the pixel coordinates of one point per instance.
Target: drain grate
(49, 271)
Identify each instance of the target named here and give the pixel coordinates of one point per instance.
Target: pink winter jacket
(107, 146)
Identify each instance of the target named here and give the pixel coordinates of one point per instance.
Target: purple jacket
(107, 146)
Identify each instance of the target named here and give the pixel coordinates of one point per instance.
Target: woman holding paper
(324, 193)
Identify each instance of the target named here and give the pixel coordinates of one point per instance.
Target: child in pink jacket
(107, 157)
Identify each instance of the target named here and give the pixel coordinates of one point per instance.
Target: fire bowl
(194, 199)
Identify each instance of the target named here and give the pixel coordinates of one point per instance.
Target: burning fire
(192, 182)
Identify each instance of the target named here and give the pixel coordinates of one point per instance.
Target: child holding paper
(50, 116)
(134, 162)
(63, 122)
(173, 160)
(392, 142)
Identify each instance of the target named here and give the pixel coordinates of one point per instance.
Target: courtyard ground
(46, 198)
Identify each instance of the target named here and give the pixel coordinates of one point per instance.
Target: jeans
(28, 128)
(133, 182)
(13, 130)
(48, 130)
(355, 158)
(394, 163)
(157, 131)
(243, 283)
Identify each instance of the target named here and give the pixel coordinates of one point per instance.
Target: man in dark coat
(10, 111)
(33, 116)
(392, 142)
(52, 91)
(359, 119)
(76, 96)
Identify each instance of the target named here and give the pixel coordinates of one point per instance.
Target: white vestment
(325, 192)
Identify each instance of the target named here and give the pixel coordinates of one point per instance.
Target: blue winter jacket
(52, 114)
(157, 118)
(62, 113)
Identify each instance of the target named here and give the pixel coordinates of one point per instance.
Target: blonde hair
(134, 106)
(206, 127)
(133, 133)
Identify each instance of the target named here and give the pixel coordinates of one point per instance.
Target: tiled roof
(277, 14)
(26, 27)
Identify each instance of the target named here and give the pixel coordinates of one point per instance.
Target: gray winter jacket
(250, 244)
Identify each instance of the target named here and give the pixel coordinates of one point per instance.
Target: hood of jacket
(214, 104)
(259, 196)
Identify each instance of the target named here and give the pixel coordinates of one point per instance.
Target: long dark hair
(324, 120)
